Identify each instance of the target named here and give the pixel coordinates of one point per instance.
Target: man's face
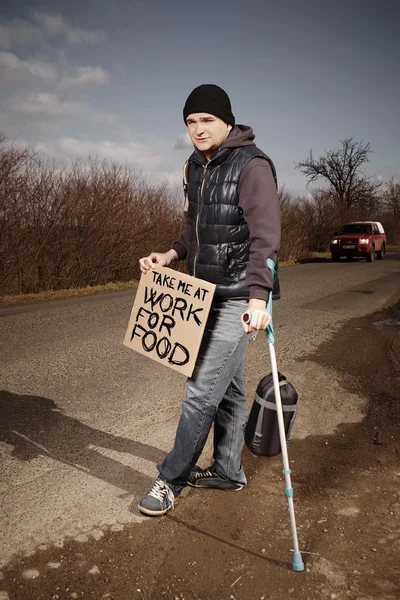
(207, 132)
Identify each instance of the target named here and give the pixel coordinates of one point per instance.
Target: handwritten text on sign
(168, 317)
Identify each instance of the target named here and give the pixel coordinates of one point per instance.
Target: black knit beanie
(212, 99)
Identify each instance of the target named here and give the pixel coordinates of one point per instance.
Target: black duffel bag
(261, 433)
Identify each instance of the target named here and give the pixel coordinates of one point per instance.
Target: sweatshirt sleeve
(258, 198)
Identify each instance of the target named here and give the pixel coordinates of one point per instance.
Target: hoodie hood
(241, 135)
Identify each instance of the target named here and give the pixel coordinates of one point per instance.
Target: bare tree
(342, 170)
(390, 211)
(391, 200)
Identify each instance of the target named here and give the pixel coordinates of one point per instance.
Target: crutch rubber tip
(297, 564)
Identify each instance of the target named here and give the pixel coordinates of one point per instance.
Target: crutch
(297, 564)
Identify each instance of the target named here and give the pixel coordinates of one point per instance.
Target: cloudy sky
(110, 77)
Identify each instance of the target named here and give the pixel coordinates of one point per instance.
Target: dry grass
(320, 255)
(287, 263)
(311, 257)
(65, 294)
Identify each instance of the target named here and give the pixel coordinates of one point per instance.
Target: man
(232, 227)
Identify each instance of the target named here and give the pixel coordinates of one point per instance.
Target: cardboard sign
(168, 318)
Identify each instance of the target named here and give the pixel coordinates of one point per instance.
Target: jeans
(214, 394)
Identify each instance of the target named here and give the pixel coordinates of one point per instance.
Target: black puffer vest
(220, 246)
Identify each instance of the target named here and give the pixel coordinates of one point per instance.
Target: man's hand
(260, 317)
(157, 258)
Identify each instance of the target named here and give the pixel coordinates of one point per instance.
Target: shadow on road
(35, 426)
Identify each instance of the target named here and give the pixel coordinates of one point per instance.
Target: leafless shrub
(390, 211)
(80, 226)
(320, 215)
(295, 231)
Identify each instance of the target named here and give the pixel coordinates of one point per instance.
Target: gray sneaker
(160, 498)
(209, 478)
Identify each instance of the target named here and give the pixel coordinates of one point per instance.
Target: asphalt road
(83, 420)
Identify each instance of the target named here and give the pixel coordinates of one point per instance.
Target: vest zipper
(198, 214)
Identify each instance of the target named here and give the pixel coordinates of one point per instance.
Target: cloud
(47, 104)
(152, 161)
(86, 76)
(50, 105)
(11, 66)
(55, 25)
(174, 179)
(18, 32)
(183, 142)
(137, 154)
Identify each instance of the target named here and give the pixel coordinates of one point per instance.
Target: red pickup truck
(359, 238)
